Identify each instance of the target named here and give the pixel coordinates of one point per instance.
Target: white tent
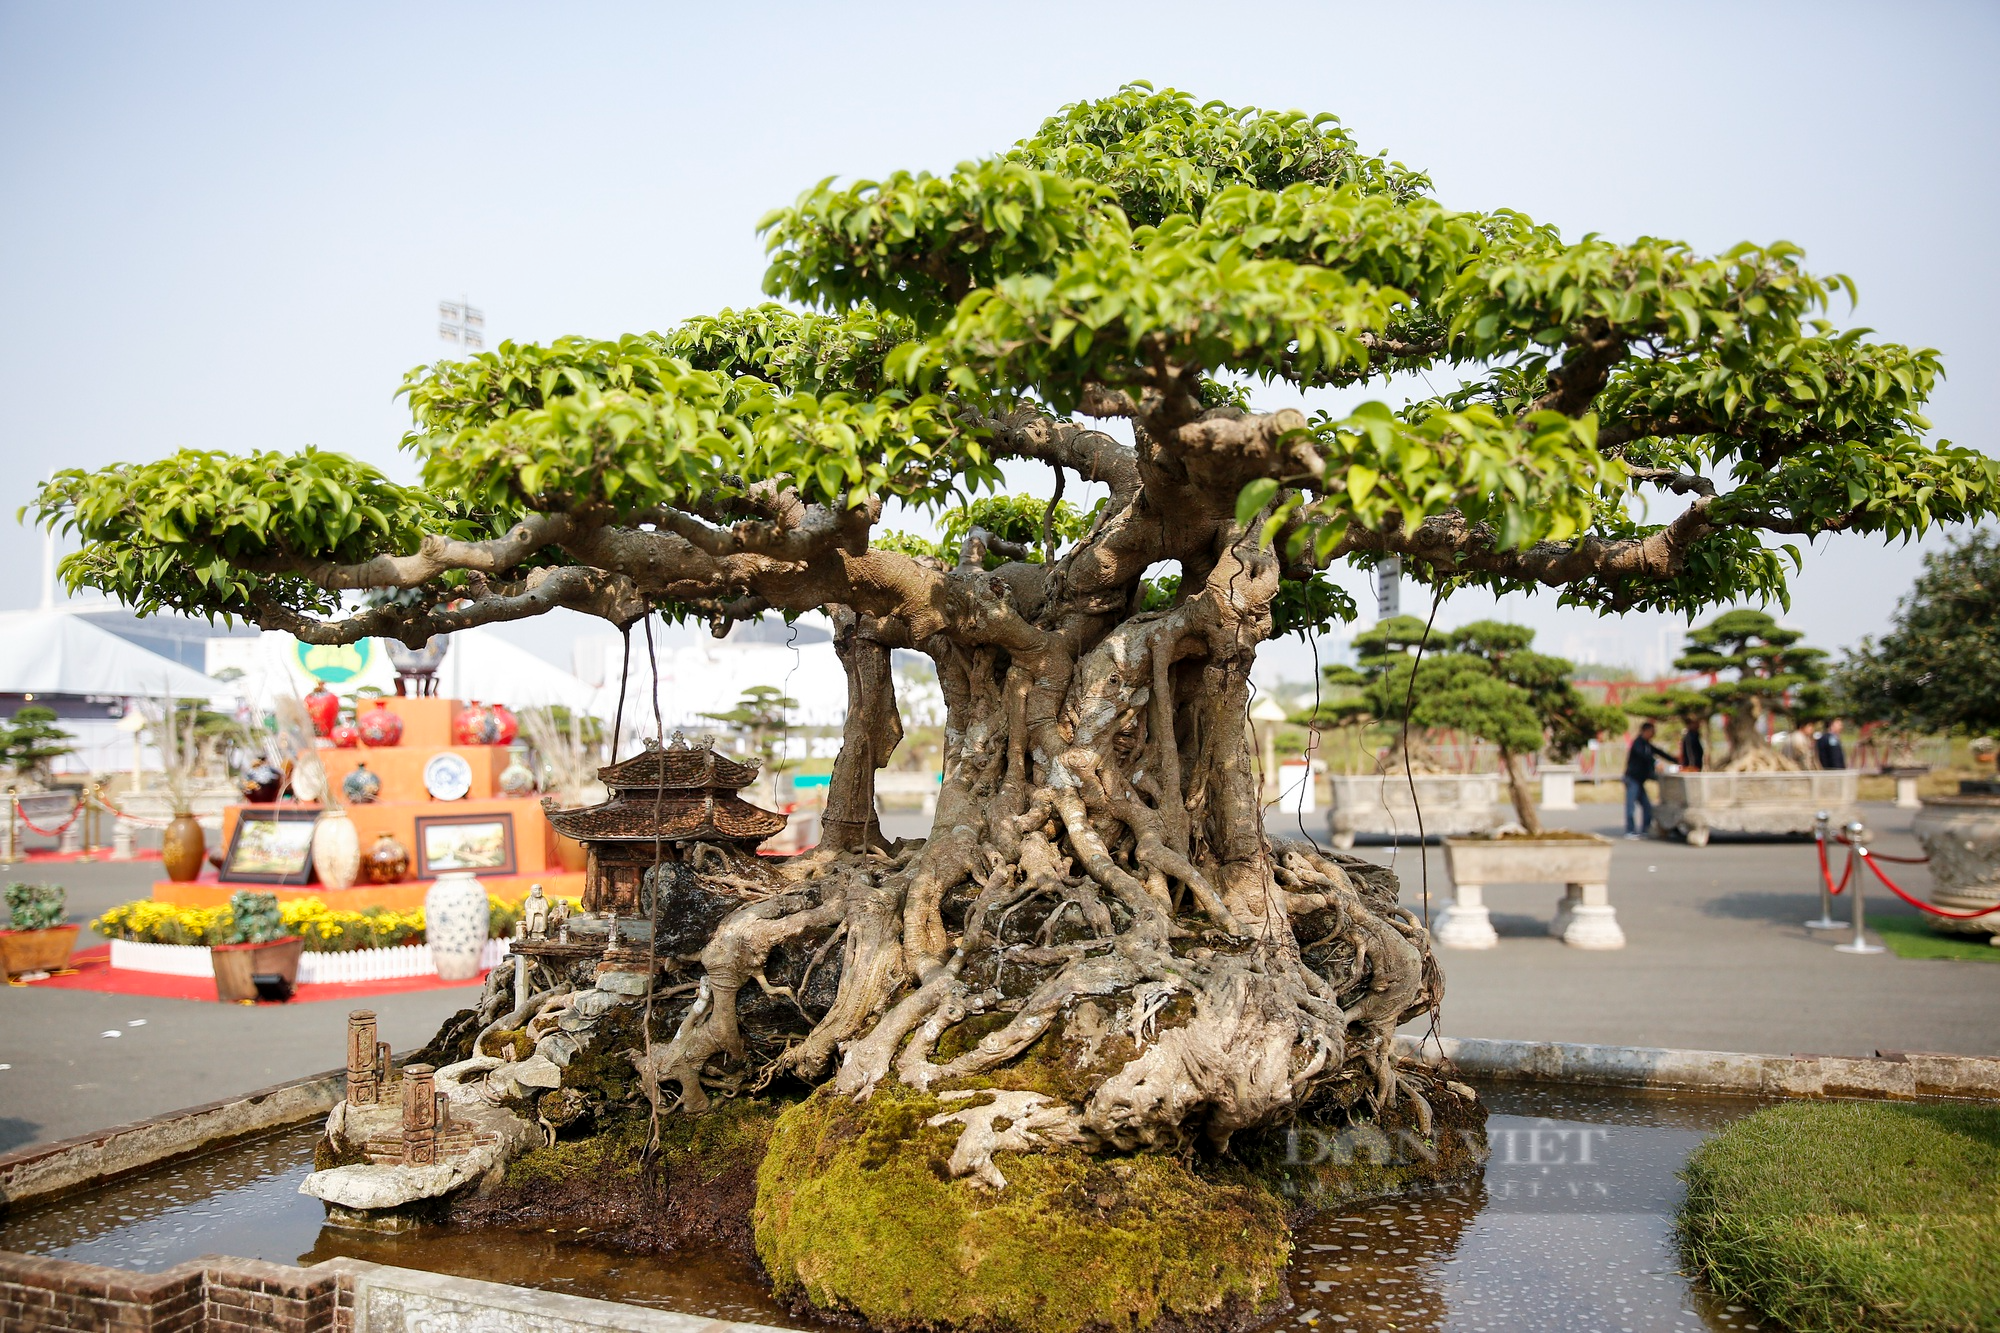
(55, 657)
(478, 665)
(53, 652)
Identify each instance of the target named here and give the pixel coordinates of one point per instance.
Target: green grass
(1912, 937)
(1852, 1215)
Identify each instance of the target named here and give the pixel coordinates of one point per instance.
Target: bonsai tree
(1771, 674)
(1487, 683)
(1937, 671)
(1099, 933)
(760, 718)
(32, 742)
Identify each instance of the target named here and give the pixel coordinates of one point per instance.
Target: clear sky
(229, 227)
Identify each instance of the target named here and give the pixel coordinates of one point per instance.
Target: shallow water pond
(1571, 1229)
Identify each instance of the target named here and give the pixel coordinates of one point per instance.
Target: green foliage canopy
(1142, 256)
(1938, 669)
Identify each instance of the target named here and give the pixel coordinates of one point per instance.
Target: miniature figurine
(535, 913)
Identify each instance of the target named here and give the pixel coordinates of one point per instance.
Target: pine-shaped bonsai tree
(1489, 684)
(32, 743)
(1770, 675)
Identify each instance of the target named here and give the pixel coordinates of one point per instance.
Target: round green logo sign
(334, 663)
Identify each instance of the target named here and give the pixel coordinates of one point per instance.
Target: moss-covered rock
(857, 1213)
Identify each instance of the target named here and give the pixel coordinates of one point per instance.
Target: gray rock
(625, 983)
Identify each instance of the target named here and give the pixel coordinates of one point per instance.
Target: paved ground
(1717, 960)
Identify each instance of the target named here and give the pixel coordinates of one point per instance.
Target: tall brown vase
(183, 847)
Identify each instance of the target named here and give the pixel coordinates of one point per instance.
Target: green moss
(498, 1043)
(1852, 1215)
(856, 1211)
(615, 1154)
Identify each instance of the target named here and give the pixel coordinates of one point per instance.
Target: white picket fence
(315, 969)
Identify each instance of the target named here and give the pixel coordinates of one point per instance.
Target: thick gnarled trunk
(1097, 896)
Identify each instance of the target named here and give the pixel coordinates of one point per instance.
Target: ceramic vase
(475, 724)
(323, 707)
(509, 725)
(263, 783)
(455, 923)
(345, 736)
(380, 726)
(336, 850)
(388, 861)
(361, 786)
(182, 848)
(517, 779)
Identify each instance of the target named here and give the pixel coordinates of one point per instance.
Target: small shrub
(34, 906)
(254, 918)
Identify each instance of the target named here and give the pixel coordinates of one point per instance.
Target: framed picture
(465, 842)
(270, 846)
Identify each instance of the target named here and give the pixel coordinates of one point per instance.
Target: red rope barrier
(1826, 872)
(1841, 838)
(1896, 889)
(136, 819)
(59, 829)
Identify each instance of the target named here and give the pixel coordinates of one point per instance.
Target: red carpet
(100, 854)
(93, 971)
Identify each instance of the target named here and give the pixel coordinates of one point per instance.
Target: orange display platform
(406, 896)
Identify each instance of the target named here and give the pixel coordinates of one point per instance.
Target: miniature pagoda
(663, 801)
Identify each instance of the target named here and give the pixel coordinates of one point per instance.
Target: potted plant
(1488, 683)
(35, 939)
(1760, 672)
(255, 944)
(1386, 801)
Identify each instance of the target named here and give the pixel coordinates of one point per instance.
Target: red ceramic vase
(345, 736)
(475, 724)
(378, 726)
(323, 707)
(510, 726)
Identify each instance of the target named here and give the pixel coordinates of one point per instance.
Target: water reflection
(1570, 1229)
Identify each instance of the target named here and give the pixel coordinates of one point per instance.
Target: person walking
(1641, 764)
(1830, 752)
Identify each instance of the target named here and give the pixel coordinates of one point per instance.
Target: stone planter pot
(1453, 804)
(1961, 835)
(456, 917)
(36, 950)
(182, 848)
(236, 966)
(1694, 805)
(1584, 917)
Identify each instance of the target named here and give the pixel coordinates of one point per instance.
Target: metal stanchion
(1857, 841)
(13, 820)
(1825, 921)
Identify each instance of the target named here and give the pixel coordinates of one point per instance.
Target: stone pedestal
(1906, 787)
(1585, 918)
(121, 840)
(1559, 786)
(1466, 924)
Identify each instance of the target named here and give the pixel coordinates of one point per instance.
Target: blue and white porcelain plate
(447, 777)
